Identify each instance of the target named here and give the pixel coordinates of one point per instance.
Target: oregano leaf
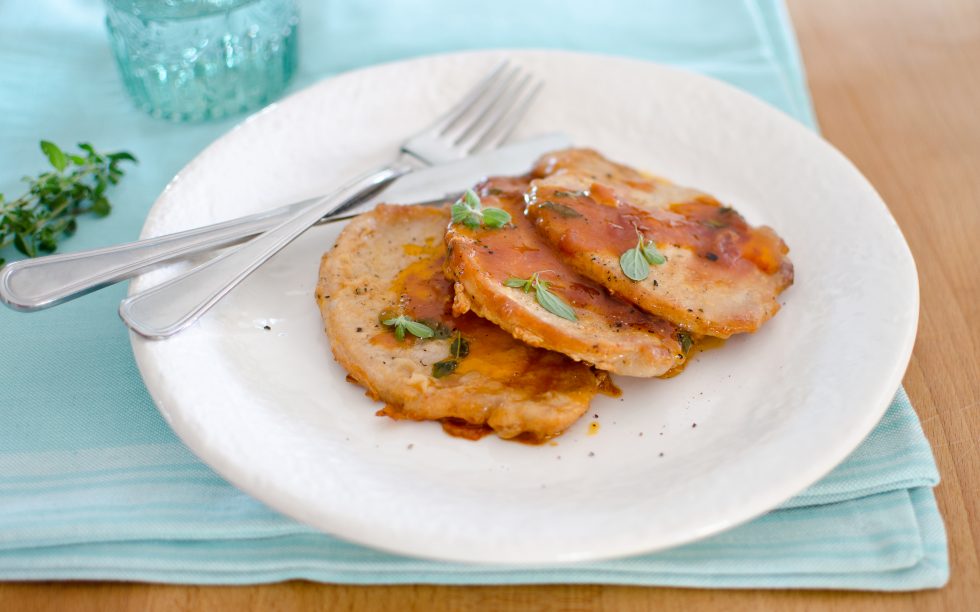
(419, 330)
(401, 323)
(472, 200)
(554, 304)
(634, 264)
(652, 254)
(495, 217)
(460, 212)
(55, 155)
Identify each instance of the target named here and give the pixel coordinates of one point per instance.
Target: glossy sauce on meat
(719, 235)
(519, 251)
(425, 295)
(720, 276)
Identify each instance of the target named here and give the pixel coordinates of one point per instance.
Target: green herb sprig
(403, 324)
(636, 262)
(35, 221)
(548, 300)
(458, 349)
(469, 211)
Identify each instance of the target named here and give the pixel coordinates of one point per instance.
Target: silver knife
(35, 284)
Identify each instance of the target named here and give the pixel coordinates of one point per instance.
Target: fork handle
(168, 308)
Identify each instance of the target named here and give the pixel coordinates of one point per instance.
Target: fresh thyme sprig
(401, 323)
(636, 262)
(469, 211)
(548, 300)
(34, 222)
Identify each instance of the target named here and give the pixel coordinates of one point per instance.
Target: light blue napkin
(93, 484)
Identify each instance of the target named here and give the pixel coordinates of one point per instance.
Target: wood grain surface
(897, 89)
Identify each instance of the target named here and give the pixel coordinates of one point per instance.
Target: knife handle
(168, 308)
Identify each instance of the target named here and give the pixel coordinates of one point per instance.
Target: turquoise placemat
(93, 484)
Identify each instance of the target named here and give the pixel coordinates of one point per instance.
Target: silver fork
(482, 119)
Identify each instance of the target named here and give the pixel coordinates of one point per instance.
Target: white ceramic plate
(774, 411)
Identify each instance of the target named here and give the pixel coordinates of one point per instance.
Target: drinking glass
(194, 60)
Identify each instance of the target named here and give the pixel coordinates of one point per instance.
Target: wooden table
(897, 89)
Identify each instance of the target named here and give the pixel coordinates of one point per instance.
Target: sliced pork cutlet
(707, 269)
(385, 273)
(603, 330)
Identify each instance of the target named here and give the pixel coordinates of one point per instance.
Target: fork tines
(491, 111)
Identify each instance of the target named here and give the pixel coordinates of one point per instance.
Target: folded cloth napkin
(93, 484)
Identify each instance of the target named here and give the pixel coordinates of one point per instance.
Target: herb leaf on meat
(401, 323)
(469, 211)
(543, 294)
(635, 263)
